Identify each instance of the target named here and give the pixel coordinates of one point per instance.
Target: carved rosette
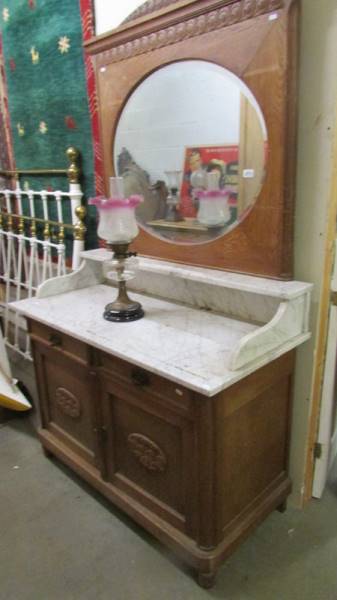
(147, 452)
(68, 403)
(215, 19)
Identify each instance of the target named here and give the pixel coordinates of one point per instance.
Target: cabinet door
(69, 401)
(149, 454)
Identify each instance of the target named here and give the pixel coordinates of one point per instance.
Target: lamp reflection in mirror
(213, 202)
(172, 201)
(118, 227)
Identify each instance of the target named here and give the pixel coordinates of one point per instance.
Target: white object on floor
(10, 395)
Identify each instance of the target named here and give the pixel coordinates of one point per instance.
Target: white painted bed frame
(26, 261)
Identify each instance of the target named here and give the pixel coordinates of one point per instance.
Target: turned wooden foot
(282, 507)
(206, 580)
(47, 452)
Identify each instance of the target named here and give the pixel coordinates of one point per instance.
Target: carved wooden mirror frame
(257, 41)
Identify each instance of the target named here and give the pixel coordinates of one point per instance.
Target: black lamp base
(123, 315)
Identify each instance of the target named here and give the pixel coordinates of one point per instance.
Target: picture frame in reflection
(200, 160)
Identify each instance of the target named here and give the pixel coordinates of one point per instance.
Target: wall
(171, 101)
(317, 115)
(109, 15)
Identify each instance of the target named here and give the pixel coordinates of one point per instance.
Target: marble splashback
(241, 305)
(244, 297)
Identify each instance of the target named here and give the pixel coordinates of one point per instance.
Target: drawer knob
(55, 340)
(140, 377)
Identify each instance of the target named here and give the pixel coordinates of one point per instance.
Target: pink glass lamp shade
(117, 221)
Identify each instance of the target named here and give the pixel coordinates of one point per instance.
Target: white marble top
(285, 290)
(189, 346)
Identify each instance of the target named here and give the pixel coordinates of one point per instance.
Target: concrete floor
(59, 540)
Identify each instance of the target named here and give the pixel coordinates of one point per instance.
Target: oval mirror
(192, 140)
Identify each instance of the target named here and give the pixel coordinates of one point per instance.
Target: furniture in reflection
(181, 419)
(186, 225)
(255, 41)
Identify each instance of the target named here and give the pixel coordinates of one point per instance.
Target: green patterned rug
(47, 93)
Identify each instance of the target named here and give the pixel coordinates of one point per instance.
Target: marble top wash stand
(181, 418)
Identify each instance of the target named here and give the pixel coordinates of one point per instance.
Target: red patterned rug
(6, 145)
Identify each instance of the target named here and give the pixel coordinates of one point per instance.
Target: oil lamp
(118, 227)
(173, 199)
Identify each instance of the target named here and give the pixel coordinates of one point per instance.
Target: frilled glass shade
(213, 203)
(213, 208)
(117, 221)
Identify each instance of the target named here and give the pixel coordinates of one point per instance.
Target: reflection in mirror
(192, 140)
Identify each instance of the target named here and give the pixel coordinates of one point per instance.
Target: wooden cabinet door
(69, 401)
(149, 454)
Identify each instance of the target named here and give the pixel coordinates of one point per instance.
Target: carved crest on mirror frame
(228, 13)
(249, 7)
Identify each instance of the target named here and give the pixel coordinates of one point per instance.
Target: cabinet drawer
(58, 340)
(144, 383)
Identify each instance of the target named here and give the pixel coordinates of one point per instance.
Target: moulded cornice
(183, 22)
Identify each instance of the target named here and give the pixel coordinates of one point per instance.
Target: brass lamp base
(123, 309)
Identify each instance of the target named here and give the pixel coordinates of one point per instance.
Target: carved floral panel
(68, 403)
(147, 452)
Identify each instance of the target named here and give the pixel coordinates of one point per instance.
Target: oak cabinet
(197, 472)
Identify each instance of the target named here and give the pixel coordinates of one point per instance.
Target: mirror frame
(258, 41)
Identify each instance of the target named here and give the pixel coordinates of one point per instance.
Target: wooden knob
(55, 340)
(140, 377)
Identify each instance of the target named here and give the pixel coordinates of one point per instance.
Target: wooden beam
(322, 328)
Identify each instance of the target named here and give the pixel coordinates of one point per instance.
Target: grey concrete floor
(59, 540)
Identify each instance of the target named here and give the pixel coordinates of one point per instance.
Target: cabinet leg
(282, 507)
(47, 452)
(206, 580)
(3, 415)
